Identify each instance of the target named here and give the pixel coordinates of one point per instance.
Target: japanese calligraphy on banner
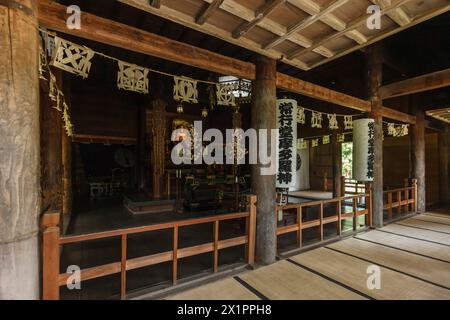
(363, 149)
(287, 142)
(132, 77)
(72, 57)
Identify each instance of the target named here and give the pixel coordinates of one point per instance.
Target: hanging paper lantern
(287, 143)
(363, 149)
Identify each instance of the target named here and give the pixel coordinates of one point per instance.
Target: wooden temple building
(92, 91)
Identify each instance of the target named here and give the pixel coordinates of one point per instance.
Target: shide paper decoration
(332, 121)
(316, 120)
(72, 58)
(132, 77)
(185, 90)
(363, 149)
(225, 96)
(287, 142)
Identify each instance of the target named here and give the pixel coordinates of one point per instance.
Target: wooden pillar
(19, 150)
(444, 155)
(264, 117)
(418, 157)
(66, 151)
(142, 121)
(337, 167)
(158, 145)
(374, 82)
(51, 150)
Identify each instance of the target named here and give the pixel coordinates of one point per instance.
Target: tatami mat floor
(413, 257)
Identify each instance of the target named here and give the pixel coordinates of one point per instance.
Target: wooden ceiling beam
(209, 28)
(306, 23)
(267, 24)
(416, 20)
(207, 11)
(260, 14)
(312, 8)
(155, 3)
(399, 16)
(52, 15)
(427, 82)
(352, 26)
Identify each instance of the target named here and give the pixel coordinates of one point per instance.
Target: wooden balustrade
(352, 187)
(401, 199)
(323, 220)
(52, 241)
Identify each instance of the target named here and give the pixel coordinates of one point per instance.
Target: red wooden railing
(52, 242)
(301, 225)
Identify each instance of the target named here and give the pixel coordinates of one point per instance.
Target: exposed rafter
(306, 22)
(260, 14)
(207, 11)
(155, 3)
(52, 15)
(352, 26)
(398, 15)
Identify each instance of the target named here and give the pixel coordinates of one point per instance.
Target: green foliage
(347, 159)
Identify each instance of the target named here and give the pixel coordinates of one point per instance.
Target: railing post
(50, 256)
(123, 268)
(414, 182)
(175, 255)
(343, 186)
(216, 247)
(251, 242)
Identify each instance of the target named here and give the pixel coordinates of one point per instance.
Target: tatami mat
(353, 272)
(434, 250)
(227, 289)
(426, 225)
(430, 218)
(428, 269)
(414, 264)
(432, 236)
(287, 281)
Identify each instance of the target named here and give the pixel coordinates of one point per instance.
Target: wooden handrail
(52, 279)
(322, 220)
(406, 198)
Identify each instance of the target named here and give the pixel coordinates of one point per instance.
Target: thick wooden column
(66, 155)
(337, 167)
(51, 150)
(264, 117)
(374, 81)
(418, 157)
(19, 150)
(444, 163)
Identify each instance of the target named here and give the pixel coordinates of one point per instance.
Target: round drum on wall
(363, 149)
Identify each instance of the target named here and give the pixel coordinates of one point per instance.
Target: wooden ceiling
(301, 33)
(440, 114)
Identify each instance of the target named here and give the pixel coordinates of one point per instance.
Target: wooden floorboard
(428, 269)
(353, 272)
(418, 233)
(420, 247)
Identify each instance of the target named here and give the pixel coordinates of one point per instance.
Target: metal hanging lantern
(180, 108)
(204, 112)
(363, 149)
